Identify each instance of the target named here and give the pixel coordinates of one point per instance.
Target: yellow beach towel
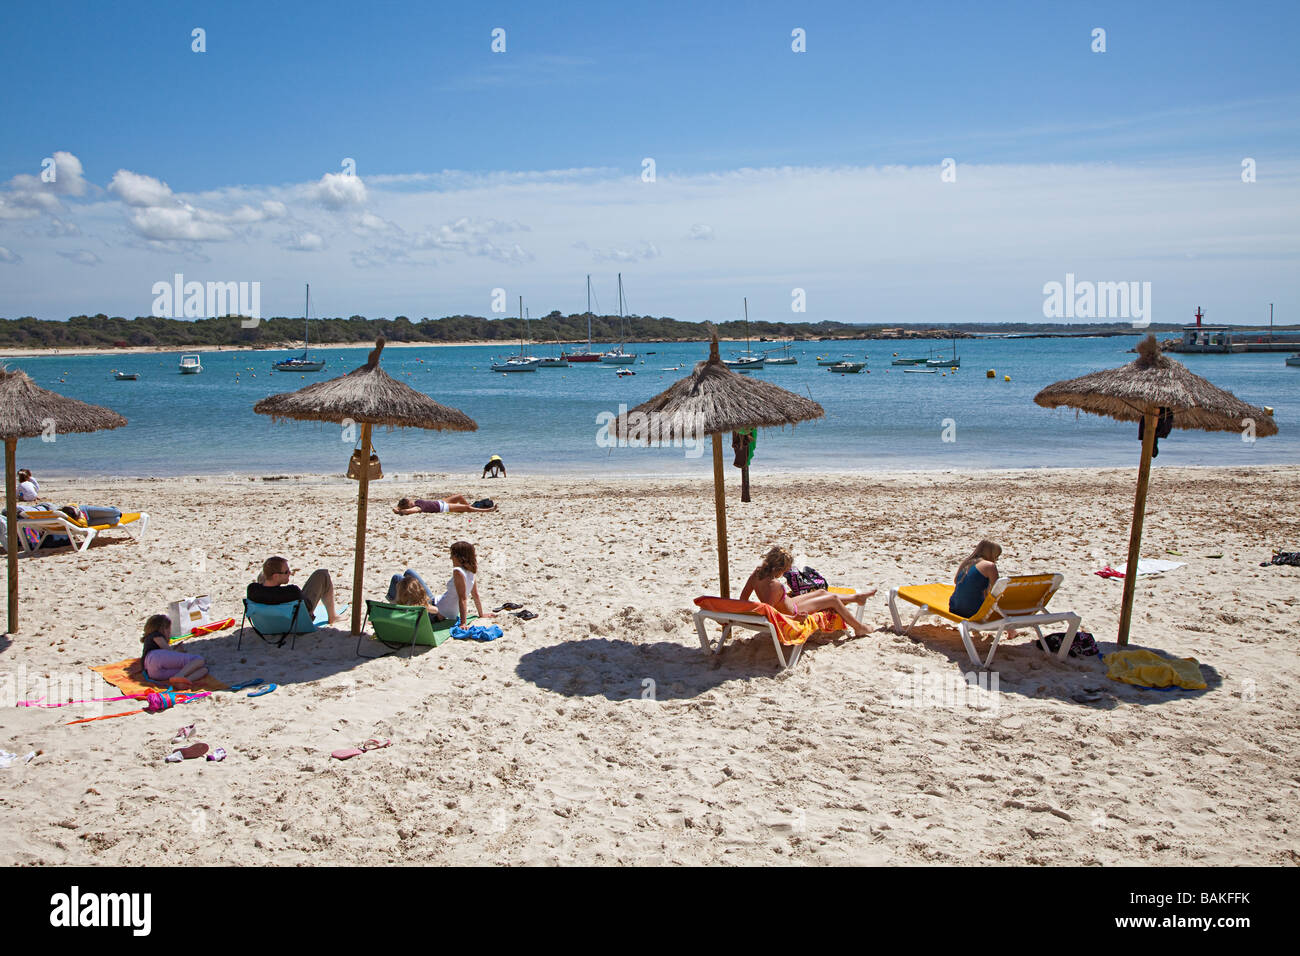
(1147, 669)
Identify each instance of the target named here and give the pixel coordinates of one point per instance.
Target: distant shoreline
(18, 351)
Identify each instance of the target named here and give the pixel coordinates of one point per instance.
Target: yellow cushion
(935, 597)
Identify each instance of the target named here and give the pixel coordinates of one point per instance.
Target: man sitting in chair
(272, 587)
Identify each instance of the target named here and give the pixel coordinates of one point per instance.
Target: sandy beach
(602, 733)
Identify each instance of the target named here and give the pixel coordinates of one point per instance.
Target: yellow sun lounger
(1012, 602)
(56, 522)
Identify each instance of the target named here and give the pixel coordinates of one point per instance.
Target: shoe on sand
(187, 753)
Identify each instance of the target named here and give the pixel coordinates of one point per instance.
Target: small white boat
(1293, 360)
(617, 356)
(851, 368)
(621, 373)
(737, 364)
(302, 363)
(921, 371)
(515, 364)
(190, 365)
(127, 376)
(781, 356)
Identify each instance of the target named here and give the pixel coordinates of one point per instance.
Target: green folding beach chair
(399, 625)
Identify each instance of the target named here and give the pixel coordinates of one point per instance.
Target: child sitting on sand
(765, 586)
(409, 589)
(159, 662)
(454, 603)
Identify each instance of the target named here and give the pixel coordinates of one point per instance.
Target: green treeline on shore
(102, 331)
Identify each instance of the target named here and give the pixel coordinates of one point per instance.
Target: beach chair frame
(300, 615)
(434, 637)
(46, 523)
(752, 622)
(993, 617)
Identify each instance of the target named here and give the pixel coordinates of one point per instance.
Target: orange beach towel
(128, 677)
(790, 630)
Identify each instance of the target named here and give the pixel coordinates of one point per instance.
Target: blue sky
(774, 169)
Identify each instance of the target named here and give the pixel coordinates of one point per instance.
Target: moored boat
(617, 356)
(126, 376)
(190, 365)
(301, 363)
(850, 368)
(1293, 359)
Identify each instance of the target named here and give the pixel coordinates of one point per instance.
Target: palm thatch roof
(713, 400)
(27, 410)
(365, 395)
(1152, 382)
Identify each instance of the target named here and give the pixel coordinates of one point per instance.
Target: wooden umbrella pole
(720, 506)
(363, 493)
(1135, 536)
(11, 535)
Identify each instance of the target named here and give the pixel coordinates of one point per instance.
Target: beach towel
(128, 677)
(1148, 669)
(789, 630)
(1145, 566)
(477, 632)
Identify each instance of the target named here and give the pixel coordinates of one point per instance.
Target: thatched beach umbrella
(368, 396)
(1140, 392)
(26, 411)
(714, 400)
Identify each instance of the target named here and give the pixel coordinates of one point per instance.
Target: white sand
(539, 748)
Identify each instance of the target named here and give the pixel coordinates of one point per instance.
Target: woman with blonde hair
(765, 586)
(973, 579)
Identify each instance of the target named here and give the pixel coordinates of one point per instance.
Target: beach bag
(800, 582)
(1084, 645)
(356, 463)
(483, 503)
(189, 613)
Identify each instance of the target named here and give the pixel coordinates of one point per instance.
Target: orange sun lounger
(1012, 602)
(786, 631)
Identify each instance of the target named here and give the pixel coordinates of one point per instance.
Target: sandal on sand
(373, 743)
(508, 606)
(264, 690)
(255, 682)
(525, 615)
(183, 734)
(218, 754)
(187, 753)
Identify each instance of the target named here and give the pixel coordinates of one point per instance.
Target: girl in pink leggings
(161, 663)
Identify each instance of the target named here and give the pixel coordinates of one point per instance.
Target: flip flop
(187, 753)
(508, 606)
(525, 615)
(255, 682)
(264, 690)
(183, 734)
(374, 743)
(218, 754)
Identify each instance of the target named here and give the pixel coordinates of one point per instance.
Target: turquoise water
(546, 421)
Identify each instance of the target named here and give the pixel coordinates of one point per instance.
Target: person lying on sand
(160, 662)
(765, 585)
(272, 587)
(452, 504)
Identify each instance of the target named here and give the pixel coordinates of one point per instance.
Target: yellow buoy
(1006, 378)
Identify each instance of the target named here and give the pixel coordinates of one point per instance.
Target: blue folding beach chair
(274, 622)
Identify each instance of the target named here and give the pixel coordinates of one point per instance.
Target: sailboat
(520, 362)
(617, 356)
(946, 363)
(584, 355)
(749, 362)
(782, 355)
(548, 361)
(302, 363)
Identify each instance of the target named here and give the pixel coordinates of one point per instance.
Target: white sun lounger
(753, 622)
(1012, 602)
(45, 523)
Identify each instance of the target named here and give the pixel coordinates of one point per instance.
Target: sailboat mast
(622, 332)
(746, 301)
(589, 312)
(306, 309)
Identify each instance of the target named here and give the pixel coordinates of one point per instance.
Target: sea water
(548, 421)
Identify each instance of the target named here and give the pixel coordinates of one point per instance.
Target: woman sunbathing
(452, 504)
(765, 586)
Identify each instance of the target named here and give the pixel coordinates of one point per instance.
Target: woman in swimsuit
(765, 586)
(452, 504)
(974, 578)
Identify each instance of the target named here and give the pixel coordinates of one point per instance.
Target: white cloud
(11, 258)
(303, 242)
(27, 196)
(82, 256)
(69, 179)
(641, 252)
(177, 222)
(137, 189)
(700, 231)
(339, 191)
